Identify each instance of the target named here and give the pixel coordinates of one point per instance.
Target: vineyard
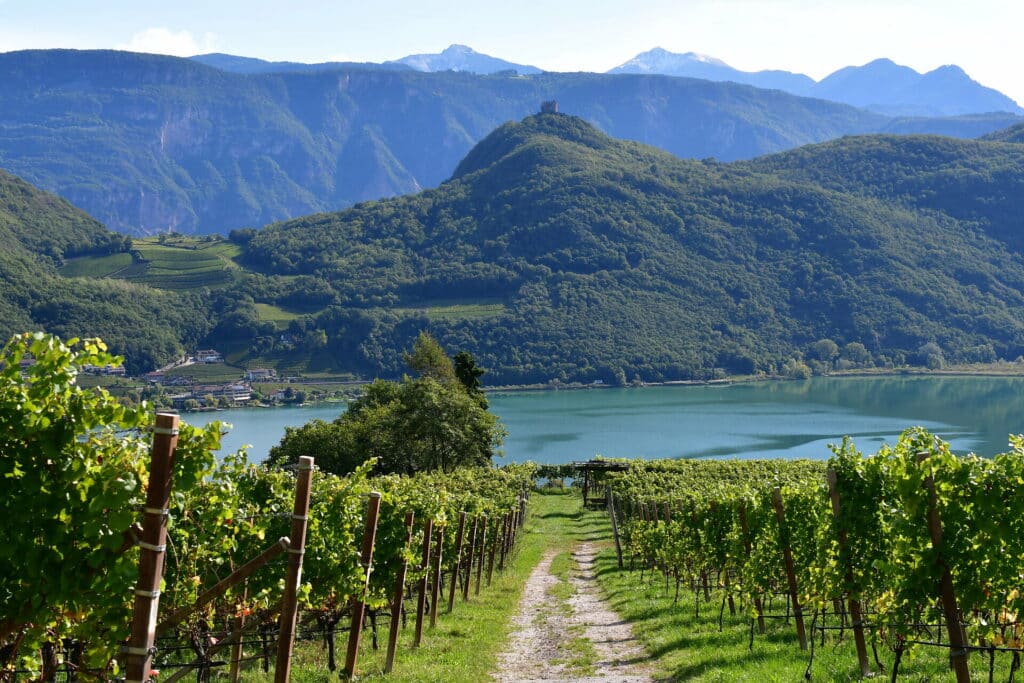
(128, 548)
(912, 548)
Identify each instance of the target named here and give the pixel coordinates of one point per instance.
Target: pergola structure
(588, 470)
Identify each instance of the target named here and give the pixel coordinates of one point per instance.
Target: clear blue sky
(811, 36)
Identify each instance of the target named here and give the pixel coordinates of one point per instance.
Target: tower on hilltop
(549, 107)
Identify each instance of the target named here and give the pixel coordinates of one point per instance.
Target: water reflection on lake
(754, 420)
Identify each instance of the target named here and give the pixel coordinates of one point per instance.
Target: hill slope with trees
(590, 258)
(39, 231)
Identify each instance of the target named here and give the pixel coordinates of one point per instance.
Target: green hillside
(1014, 133)
(39, 232)
(612, 260)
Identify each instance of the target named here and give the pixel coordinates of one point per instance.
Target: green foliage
(432, 422)
(428, 359)
(73, 465)
(877, 549)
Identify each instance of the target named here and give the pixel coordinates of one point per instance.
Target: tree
(825, 350)
(469, 374)
(856, 353)
(430, 422)
(428, 359)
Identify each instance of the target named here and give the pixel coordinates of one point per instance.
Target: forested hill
(585, 257)
(147, 143)
(38, 232)
(1014, 133)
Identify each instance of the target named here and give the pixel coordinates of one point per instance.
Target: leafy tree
(825, 350)
(431, 422)
(469, 374)
(428, 359)
(856, 353)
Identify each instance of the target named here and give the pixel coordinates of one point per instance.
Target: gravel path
(545, 626)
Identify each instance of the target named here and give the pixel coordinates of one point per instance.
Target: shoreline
(1007, 370)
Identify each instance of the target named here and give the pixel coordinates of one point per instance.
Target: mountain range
(881, 85)
(151, 144)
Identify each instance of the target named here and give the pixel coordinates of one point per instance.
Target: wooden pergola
(591, 467)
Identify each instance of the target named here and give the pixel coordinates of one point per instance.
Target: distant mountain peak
(458, 57)
(696, 65)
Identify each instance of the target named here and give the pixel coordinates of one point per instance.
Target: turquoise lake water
(752, 420)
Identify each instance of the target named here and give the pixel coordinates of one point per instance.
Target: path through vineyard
(569, 633)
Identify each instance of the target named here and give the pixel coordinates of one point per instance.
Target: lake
(793, 419)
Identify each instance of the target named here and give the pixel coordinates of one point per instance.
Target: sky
(815, 37)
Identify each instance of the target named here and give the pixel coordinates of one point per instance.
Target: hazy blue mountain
(148, 143)
(463, 58)
(882, 85)
(693, 65)
(251, 65)
(889, 88)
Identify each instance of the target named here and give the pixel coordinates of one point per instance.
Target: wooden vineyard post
(493, 552)
(435, 588)
(787, 556)
(139, 651)
(470, 556)
(745, 530)
(236, 647)
(522, 509)
(358, 608)
(421, 603)
(456, 565)
(957, 639)
(396, 602)
(483, 547)
(504, 540)
(290, 603)
(615, 525)
(855, 611)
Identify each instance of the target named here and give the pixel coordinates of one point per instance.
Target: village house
(209, 356)
(260, 374)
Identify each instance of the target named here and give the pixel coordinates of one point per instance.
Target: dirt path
(566, 631)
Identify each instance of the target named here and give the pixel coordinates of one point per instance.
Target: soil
(546, 643)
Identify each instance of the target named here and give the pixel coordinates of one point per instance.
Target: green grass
(465, 645)
(179, 263)
(454, 310)
(183, 263)
(275, 314)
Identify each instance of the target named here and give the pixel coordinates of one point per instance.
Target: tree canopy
(429, 422)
